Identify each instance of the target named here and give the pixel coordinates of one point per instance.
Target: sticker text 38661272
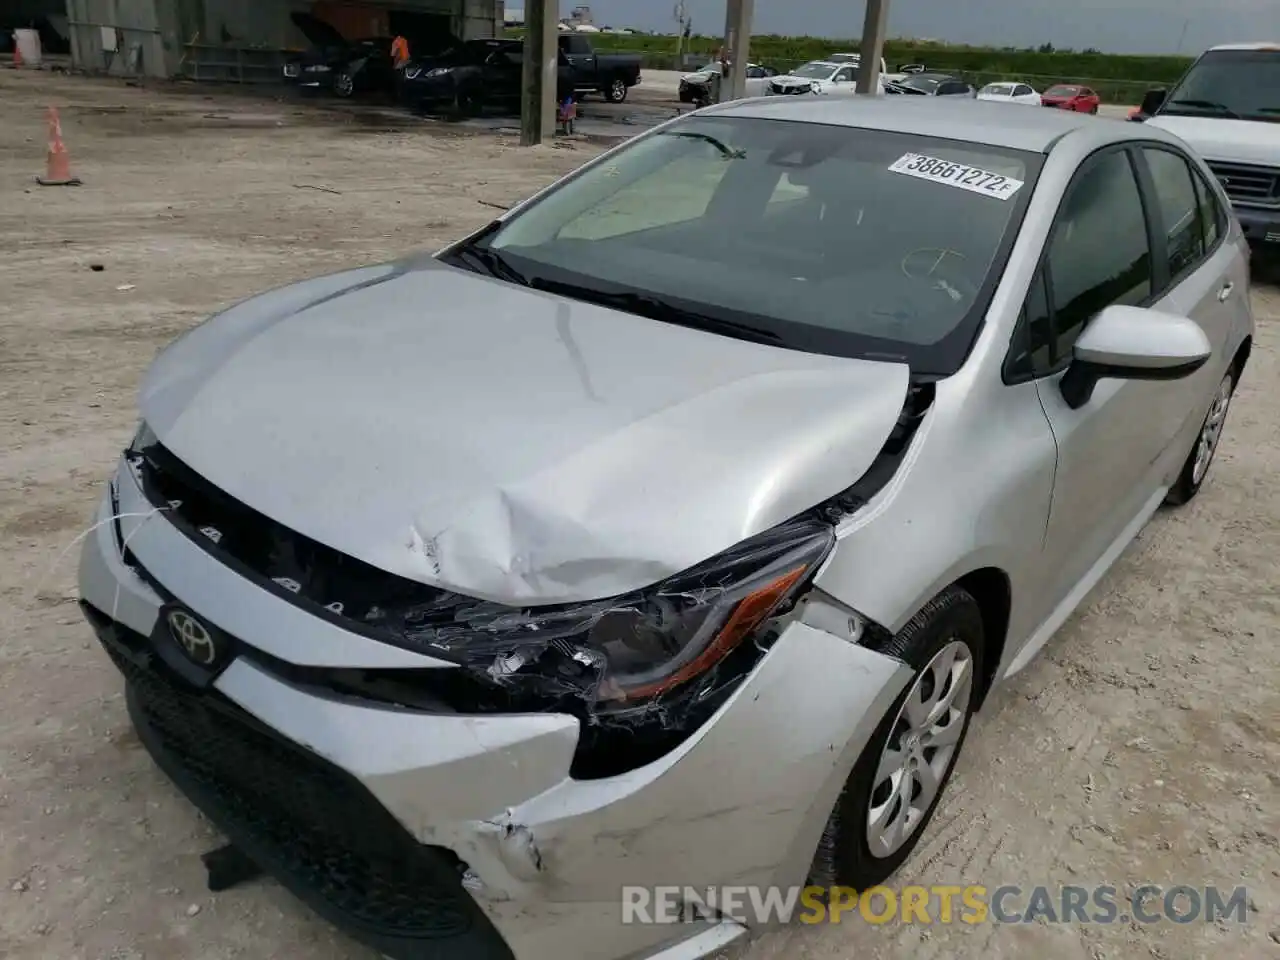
(973, 179)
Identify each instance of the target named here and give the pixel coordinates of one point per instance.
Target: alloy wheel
(918, 753)
(344, 84)
(1211, 432)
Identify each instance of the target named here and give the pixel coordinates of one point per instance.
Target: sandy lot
(1144, 745)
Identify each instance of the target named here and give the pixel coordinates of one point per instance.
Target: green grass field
(1119, 78)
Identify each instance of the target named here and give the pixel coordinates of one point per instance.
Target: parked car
(1226, 107)
(659, 528)
(473, 75)
(337, 65)
(933, 85)
(610, 74)
(1071, 96)
(819, 77)
(855, 59)
(696, 85)
(1021, 93)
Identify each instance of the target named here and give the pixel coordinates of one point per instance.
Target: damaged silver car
(668, 530)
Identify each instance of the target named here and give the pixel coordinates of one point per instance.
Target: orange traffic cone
(58, 166)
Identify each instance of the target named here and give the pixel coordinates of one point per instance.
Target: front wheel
(1093, 109)
(1196, 467)
(344, 85)
(896, 784)
(616, 91)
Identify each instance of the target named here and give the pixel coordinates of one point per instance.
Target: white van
(1227, 107)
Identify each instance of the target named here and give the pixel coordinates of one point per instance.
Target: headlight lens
(437, 72)
(638, 648)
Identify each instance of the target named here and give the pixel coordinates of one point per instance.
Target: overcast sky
(1138, 26)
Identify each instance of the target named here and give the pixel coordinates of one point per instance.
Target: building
(246, 40)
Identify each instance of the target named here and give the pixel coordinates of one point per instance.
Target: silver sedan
(671, 528)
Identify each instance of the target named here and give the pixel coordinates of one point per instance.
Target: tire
(344, 85)
(616, 90)
(1200, 459)
(1094, 109)
(468, 103)
(950, 623)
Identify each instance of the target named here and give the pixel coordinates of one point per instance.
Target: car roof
(975, 121)
(1245, 46)
(934, 75)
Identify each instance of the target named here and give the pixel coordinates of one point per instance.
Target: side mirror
(1133, 343)
(1152, 101)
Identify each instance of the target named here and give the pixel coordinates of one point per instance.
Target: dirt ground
(1143, 745)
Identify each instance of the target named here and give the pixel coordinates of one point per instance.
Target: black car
(932, 85)
(337, 65)
(472, 75)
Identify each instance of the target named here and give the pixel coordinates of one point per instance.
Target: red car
(1069, 96)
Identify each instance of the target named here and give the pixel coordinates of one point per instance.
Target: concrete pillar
(738, 15)
(873, 32)
(541, 49)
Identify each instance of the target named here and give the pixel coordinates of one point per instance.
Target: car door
(755, 82)
(582, 62)
(1207, 281)
(844, 83)
(1099, 253)
(1023, 93)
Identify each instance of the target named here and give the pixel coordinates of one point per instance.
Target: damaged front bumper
(432, 833)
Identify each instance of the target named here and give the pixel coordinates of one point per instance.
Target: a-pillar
(873, 31)
(541, 48)
(738, 15)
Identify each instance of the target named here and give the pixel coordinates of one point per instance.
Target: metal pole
(540, 71)
(873, 32)
(740, 48)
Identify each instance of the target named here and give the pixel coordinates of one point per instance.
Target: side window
(1022, 90)
(845, 75)
(1212, 218)
(1179, 210)
(1031, 353)
(1098, 254)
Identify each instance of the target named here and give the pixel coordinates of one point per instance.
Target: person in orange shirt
(400, 52)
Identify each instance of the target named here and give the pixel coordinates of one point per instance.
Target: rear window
(998, 89)
(841, 240)
(1062, 91)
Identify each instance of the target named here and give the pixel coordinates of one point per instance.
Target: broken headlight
(638, 648)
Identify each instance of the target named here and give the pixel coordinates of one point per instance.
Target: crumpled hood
(505, 443)
(1220, 138)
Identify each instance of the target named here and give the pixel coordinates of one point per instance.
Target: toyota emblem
(193, 637)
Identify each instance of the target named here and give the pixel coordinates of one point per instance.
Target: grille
(1244, 183)
(789, 90)
(328, 582)
(321, 831)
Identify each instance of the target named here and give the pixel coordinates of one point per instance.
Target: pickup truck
(1226, 107)
(611, 74)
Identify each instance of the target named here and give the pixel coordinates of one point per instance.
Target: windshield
(917, 82)
(999, 89)
(830, 239)
(1244, 83)
(814, 71)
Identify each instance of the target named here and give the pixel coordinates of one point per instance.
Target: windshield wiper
(1207, 105)
(492, 262)
(728, 152)
(656, 308)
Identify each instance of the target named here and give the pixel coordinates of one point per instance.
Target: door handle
(1225, 292)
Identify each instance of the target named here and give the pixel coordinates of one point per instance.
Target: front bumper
(373, 815)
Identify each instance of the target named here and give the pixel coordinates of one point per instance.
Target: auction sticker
(973, 179)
